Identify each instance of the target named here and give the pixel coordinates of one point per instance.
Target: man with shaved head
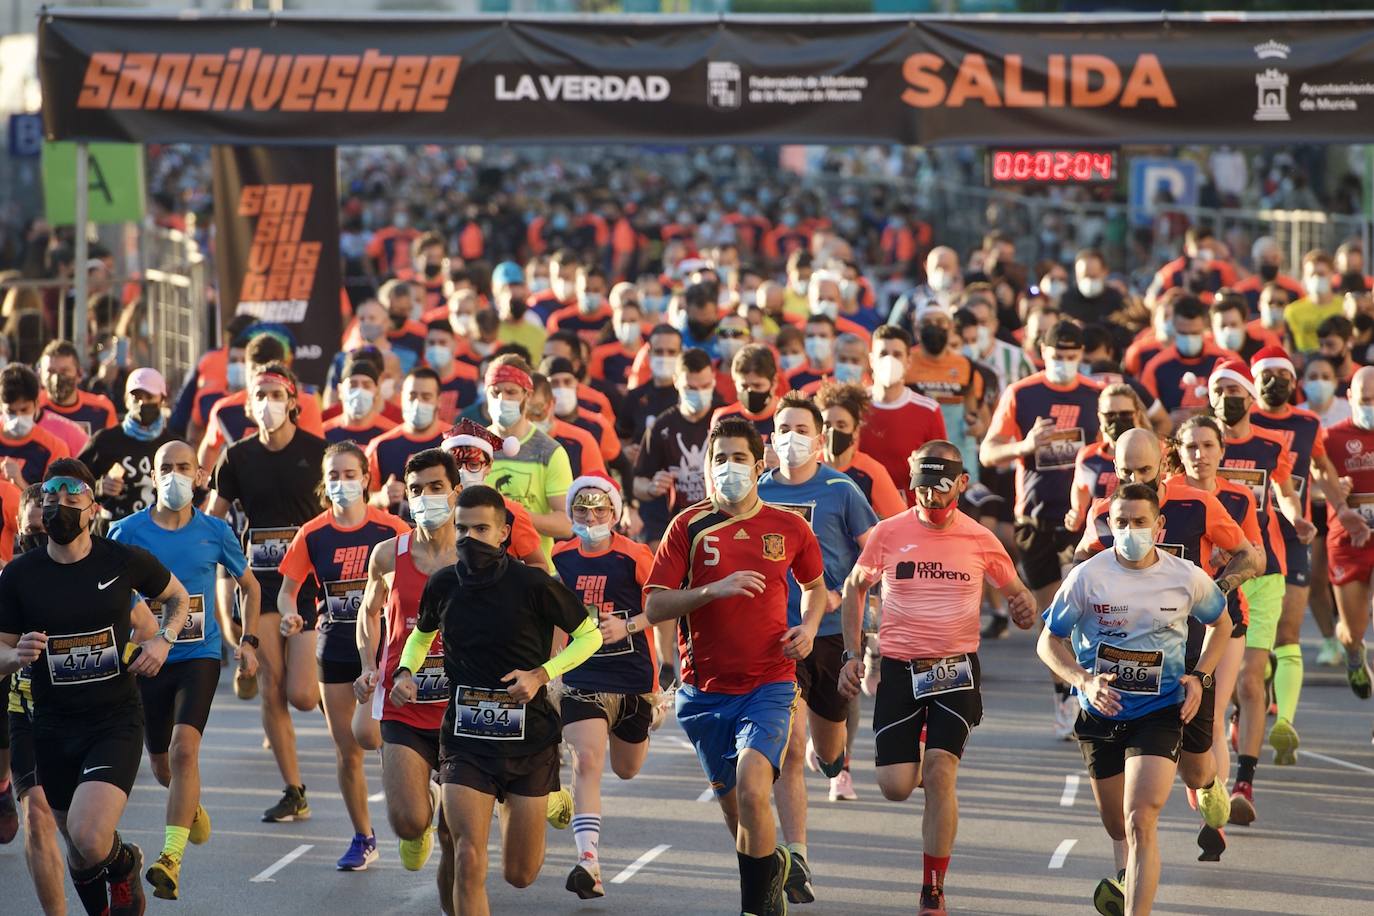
(932, 561)
(944, 281)
(1195, 522)
(176, 703)
(1349, 547)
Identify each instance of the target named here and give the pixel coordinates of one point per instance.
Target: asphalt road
(1029, 838)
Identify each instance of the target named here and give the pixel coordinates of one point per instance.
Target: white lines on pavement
(267, 873)
(639, 863)
(377, 796)
(683, 742)
(1070, 790)
(707, 794)
(1339, 762)
(1062, 853)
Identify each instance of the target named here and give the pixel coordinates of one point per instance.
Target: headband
(937, 472)
(506, 372)
(280, 379)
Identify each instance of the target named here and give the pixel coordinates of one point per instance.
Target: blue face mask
(733, 480)
(1319, 390)
(1134, 543)
(848, 372)
(1188, 344)
(1061, 371)
(344, 493)
(438, 356)
(818, 349)
(236, 376)
(694, 401)
(507, 412)
(135, 430)
(591, 534)
(1363, 415)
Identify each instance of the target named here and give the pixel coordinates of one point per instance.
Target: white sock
(587, 832)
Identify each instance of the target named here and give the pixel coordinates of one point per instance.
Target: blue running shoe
(362, 852)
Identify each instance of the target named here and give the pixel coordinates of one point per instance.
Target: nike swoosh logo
(104, 585)
(90, 770)
(908, 548)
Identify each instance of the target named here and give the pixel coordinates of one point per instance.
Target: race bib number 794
(479, 712)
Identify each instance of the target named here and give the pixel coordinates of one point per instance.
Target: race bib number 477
(82, 658)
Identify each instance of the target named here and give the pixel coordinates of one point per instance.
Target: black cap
(1065, 334)
(935, 471)
(556, 365)
(360, 365)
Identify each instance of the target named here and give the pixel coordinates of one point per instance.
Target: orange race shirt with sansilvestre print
(932, 583)
(734, 645)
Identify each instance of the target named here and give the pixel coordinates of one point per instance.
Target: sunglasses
(70, 485)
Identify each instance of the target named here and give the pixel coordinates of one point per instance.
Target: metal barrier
(174, 291)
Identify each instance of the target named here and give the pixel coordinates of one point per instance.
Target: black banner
(393, 78)
(277, 244)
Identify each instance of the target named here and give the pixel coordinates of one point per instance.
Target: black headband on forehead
(937, 472)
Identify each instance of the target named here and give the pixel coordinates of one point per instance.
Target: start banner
(277, 244)
(396, 78)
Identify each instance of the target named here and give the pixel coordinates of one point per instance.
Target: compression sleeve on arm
(417, 647)
(586, 639)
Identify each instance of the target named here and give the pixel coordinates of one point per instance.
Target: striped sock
(174, 846)
(587, 832)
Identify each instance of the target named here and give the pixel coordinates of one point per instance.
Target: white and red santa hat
(1234, 370)
(471, 433)
(596, 480)
(1272, 357)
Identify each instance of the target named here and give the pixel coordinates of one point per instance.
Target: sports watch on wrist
(248, 639)
(631, 627)
(1206, 679)
(846, 657)
(167, 636)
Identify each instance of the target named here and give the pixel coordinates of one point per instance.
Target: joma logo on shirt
(352, 561)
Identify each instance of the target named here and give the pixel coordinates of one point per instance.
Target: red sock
(933, 875)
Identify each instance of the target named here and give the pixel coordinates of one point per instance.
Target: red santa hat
(596, 480)
(471, 433)
(1236, 371)
(1272, 357)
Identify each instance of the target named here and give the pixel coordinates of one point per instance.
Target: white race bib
(479, 712)
(82, 658)
(343, 598)
(1136, 672)
(431, 681)
(267, 546)
(930, 676)
(193, 630)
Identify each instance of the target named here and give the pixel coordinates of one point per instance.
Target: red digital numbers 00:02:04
(1053, 165)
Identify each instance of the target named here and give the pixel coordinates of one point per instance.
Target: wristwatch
(846, 657)
(248, 639)
(631, 627)
(167, 635)
(1206, 679)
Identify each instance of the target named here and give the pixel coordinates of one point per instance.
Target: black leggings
(181, 694)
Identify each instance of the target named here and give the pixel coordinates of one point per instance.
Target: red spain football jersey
(734, 645)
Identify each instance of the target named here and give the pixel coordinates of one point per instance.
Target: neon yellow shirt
(1304, 316)
(538, 473)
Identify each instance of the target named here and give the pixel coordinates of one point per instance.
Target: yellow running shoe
(560, 812)
(1283, 738)
(200, 826)
(1214, 804)
(415, 853)
(163, 875)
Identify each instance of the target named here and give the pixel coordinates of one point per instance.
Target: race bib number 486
(1136, 672)
(82, 658)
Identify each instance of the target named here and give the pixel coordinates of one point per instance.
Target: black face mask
(756, 401)
(36, 540)
(837, 442)
(517, 307)
(1268, 272)
(1116, 427)
(934, 339)
(398, 321)
(63, 523)
(64, 386)
(700, 330)
(148, 414)
(1276, 391)
(432, 270)
(1352, 282)
(478, 556)
(1232, 410)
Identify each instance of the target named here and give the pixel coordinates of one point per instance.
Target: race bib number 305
(82, 658)
(479, 712)
(342, 599)
(431, 681)
(1136, 672)
(930, 676)
(267, 546)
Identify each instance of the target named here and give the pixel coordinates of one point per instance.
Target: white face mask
(388, 387)
(418, 414)
(940, 281)
(794, 448)
(1133, 543)
(890, 370)
(344, 493)
(174, 490)
(507, 412)
(591, 534)
(17, 427)
(662, 367)
(1229, 338)
(1271, 316)
(431, 511)
(235, 376)
(1061, 371)
(733, 480)
(628, 334)
(828, 307)
(356, 403)
(271, 415)
(470, 478)
(792, 361)
(1318, 288)
(1091, 287)
(565, 401)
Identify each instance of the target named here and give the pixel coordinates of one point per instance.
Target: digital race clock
(1051, 166)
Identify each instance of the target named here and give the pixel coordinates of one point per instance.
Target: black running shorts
(1106, 743)
(22, 766)
(69, 752)
(898, 716)
(330, 671)
(181, 694)
(1197, 732)
(532, 776)
(818, 676)
(421, 741)
(1041, 552)
(631, 724)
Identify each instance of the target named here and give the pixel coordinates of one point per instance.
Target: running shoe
(560, 809)
(245, 687)
(200, 826)
(1358, 675)
(1212, 842)
(842, 787)
(933, 904)
(996, 627)
(415, 853)
(1213, 804)
(1283, 738)
(1109, 898)
(362, 852)
(775, 904)
(813, 762)
(1065, 715)
(9, 813)
(164, 875)
(126, 894)
(292, 807)
(1243, 804)
(799, 889)
(585, 878)
(1330, 654)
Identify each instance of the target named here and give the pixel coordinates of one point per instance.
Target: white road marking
(267, 873)
(377, 796)
(1070, 790)
(1062, 853)
(683, 742)
(639, 863)
(707, 794)
(1339, 762)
